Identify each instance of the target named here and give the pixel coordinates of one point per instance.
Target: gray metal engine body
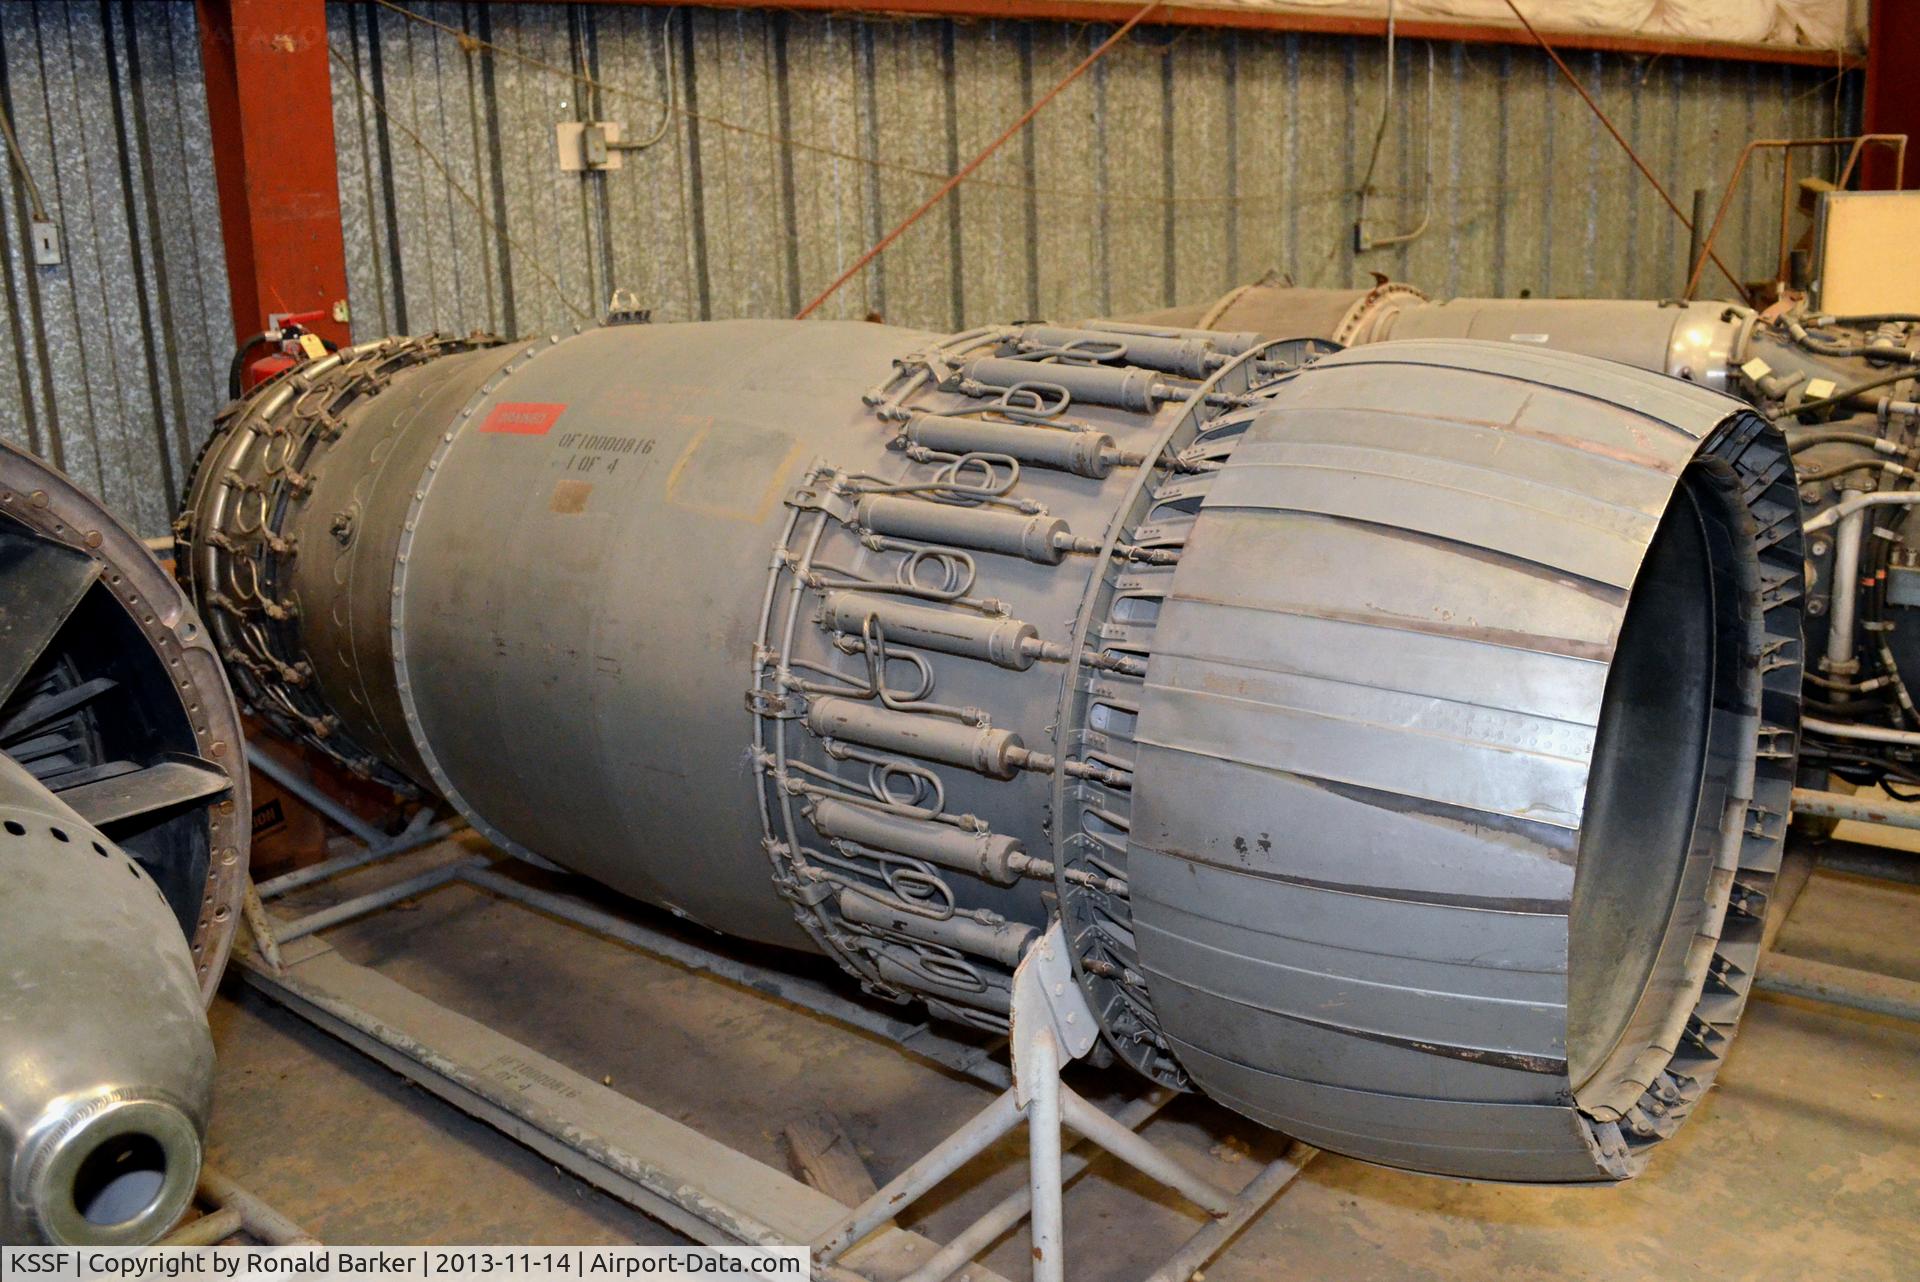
(1329, 699)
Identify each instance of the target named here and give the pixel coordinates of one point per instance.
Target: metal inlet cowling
(1403, 740)
(123, 844)
(106, 1063)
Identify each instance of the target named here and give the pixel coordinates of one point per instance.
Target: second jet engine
(123, 845)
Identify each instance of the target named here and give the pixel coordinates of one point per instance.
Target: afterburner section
(1463, 758)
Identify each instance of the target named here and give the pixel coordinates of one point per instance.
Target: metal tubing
(970, 1061)
(260, 1220)
(1848, 506)
(214, 1227)
(1839, 986)
(1041, 1074)
(1696, 233)
(1141, 1155)
(1856, 730)
(1864, 859)
(900, 967)
(361, 905)
(974, 1137)
(1859, 141)
(1013, 1208)
(281, 774)
(1224, 342)
(1846, 591)
(1253, 1199)
(1817, 804)
(412, 837)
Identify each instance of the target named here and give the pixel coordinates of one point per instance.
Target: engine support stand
(694, 1184)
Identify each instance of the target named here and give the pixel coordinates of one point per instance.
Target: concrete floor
(1804, 1161)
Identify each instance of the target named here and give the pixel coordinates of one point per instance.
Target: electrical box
(45, 238)
(587, 146)
(1863, 262)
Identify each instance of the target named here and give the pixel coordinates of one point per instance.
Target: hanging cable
(880, 247)
(527, 255)
(1625, 146)
(26, 175)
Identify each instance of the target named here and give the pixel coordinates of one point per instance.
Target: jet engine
(1403, 735)
(123, 841)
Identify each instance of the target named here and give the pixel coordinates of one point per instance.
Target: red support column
(270, 103)
(1893, 90)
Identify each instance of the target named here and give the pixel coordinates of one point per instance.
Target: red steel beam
(1256, 18)
(270, 104)
(1893, 90)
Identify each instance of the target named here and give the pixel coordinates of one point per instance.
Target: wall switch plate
(46, 243)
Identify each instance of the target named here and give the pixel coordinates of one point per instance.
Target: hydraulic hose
(237, 369)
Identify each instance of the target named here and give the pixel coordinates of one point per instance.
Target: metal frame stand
(1052, 1026)
(231, 1209)
(697, 1185)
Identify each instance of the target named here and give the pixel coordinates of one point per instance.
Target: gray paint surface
(112, 363)
(1182, 164)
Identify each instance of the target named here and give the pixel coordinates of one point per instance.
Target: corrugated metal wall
(112, 363)
(1185, 162)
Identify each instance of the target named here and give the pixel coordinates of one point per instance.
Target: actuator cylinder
(1229, 344)
(1121, 386)
(1083, 453)
(1037, 538)
(1006, 643)
(939, 985)
(1187, 354)
(1003, 941)
(985, 854)
(993, 753)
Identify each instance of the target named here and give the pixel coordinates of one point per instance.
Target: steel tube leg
(1252, 1199)
(259, 1219)
(361, 905)
(289, 779)
(954, 1152)
(1042, 1075)
(1013, 1208)
(1140, 1154)
(421, 831)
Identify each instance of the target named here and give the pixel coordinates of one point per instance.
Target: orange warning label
(522, 418)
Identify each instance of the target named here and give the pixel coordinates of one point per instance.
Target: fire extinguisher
(289, 342)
